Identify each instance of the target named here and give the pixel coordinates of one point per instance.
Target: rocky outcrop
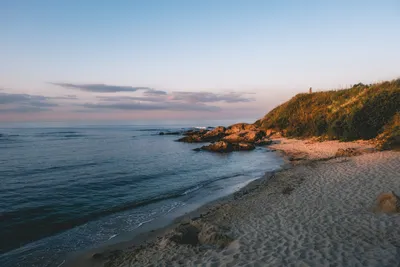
(388, 203)
(203, 135)
(245, 136)
(221, 147)
(214, 134)
(238, 127)
(243, 147)
(238, 137)
(195, 138)
(225, 147)
(195, 132)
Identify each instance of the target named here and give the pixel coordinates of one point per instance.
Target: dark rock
(225, 147)
(189, 132)
(187, 234)
(191, 139)
(107, 255)
(199, 233)
(174, 133)
(195, 132)
(243, 147)
(287, 190)
(169, 133)
(97, 256)
(221, 147)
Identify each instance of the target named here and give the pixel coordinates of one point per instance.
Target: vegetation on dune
(390, 137)
(360, 112)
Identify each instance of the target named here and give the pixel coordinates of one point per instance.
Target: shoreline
(87, 257)
(223, 216)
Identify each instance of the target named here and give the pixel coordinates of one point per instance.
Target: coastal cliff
(369, 112)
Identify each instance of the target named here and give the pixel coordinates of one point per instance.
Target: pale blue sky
(214, 53)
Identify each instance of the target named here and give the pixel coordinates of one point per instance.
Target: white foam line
(61, 263)
(140, 224)
(112, 236)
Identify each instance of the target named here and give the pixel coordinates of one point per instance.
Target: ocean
(66, 189)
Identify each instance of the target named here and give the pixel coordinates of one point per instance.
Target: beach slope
(319, 212)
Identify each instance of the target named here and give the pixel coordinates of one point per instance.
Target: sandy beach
(317, 211)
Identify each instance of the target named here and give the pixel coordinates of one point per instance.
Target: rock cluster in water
(237, 137)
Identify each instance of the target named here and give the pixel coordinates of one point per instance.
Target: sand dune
(317, 213)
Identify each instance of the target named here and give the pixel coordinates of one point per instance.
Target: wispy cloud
(208, 97)
(152, 92)
(184, 97)
(23, 109)
(148, 99)
(6, 98)
(152, 106)
(66, 97)
(101, 88)
(132, 98)
(160, 100)
(20, 103)
(42, 104)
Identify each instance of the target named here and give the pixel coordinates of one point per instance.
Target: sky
(74, 60)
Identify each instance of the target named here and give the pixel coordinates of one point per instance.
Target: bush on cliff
(390, 137)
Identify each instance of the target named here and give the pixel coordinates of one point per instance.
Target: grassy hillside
(360, 112)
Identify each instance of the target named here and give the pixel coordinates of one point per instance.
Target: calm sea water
(66, 189)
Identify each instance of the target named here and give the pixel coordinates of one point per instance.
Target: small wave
(56, 133)
(150, 130)
(9, 138)
(64, 135)
(6, 140)
(8, 135)
(74, 135)
(60, 168)
(111, 237)
(203, 127)
(67, 132)
(193, 189)
(140, 224)
(176, 206)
